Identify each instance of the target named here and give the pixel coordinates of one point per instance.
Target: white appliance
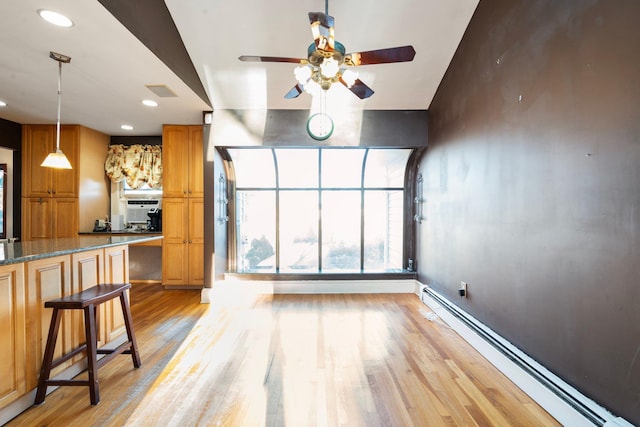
(137, 210)
(117, 222)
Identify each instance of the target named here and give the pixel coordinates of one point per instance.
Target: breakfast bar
(37, 271)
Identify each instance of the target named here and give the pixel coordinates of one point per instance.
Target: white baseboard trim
(561, 400)
(205, 295)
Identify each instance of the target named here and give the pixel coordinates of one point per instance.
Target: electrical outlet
(463, 289)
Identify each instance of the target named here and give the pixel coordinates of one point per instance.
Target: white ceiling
(104, 84)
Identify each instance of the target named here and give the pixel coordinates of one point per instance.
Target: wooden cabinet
(37, 142)
(24, 288)
(49, 217)
(182, 161)
(182, 206)
(13, 340)
(183, 246)
(52, 204)
(87, 272)
(47, 279)
(116, 270)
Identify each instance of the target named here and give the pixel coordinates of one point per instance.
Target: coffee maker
(154, 223)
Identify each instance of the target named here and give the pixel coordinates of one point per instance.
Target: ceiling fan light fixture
(349, 77)
(329, 68)
(313, 88)
(302, 74)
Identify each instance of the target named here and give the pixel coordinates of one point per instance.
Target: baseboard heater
(523, 364)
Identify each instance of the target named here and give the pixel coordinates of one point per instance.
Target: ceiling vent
(162, 91)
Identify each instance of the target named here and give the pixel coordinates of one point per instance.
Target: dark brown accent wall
(532, 181)
(287, 128)
(11, 137)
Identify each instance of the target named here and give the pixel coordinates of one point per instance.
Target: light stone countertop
(17, 252)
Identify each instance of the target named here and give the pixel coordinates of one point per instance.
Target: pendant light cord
(326, 7)
(59, 105)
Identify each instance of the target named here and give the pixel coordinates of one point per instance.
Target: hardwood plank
(321, 360)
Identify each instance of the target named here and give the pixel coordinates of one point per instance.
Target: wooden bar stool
(87, 300)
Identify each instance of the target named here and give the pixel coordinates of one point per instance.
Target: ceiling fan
(327, 61)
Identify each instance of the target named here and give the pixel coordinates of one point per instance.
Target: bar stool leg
(45, 369)
(92, 352)
(126, 311)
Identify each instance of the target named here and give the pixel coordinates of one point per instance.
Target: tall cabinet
(60, 202)
(182, 206)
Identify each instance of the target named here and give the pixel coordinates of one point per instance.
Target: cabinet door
(36, 213)
(64, 213)
(47, 279)
(65, 181)
(49, 217)
(175, 220)
(174, 247)
(196, 242)
(87, 272)
(116, 269)
(37, 143)
(196, 162)
(175, 161)
(13, 342)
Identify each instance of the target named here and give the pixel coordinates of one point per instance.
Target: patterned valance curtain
(136, 164)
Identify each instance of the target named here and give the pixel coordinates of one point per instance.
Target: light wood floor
(292, 360)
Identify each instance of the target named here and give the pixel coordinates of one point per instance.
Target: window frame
(407, 194)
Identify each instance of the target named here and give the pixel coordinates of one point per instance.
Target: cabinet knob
(184, 241)
(48, 191)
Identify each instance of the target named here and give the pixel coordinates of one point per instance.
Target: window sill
(273, 276)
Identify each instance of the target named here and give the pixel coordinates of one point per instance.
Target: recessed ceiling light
(126, 127)
(150, 103)
(55, 18)
(3, 104)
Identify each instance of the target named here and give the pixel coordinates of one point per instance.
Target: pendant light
(57, 159)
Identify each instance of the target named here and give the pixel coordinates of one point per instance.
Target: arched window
(325, 209)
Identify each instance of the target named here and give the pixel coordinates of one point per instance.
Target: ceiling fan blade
(295, 91)
(322, 30)
(360, 89)
(250, 58)
(381, 56)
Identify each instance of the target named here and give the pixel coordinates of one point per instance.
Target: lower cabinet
(47, 278)
(24, 288)
(13, 338)
(183, 245)
(116, 270)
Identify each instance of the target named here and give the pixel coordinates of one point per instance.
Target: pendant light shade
(57, 159)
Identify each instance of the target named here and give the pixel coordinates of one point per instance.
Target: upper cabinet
(37, 142)
(61, 202)
(182, 161)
